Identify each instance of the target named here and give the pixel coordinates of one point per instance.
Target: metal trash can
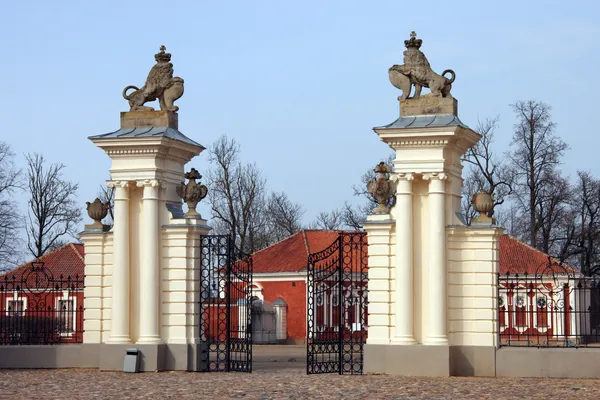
(132, 360)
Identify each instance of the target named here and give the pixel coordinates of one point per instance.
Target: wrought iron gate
(225, 306)
(337, 306)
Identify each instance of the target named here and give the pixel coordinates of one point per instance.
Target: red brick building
(279, 281)
(41, 302)
(280, 271)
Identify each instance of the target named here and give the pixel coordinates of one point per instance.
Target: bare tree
(107, 196)
(509, 218)
(329, 221)
(534, 158)
(234, 191)
(586, 204)
(10, 183)
(471, 185)
(284, 216)
(355, 216)
(53, 210)
(556, 218)
(487, 172)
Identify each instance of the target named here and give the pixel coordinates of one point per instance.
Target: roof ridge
(74, 248)
(306, 243)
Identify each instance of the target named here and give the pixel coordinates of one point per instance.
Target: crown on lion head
(413, 41)
(162, 56)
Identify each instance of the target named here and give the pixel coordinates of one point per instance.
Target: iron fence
(37, 308)
(555, 307)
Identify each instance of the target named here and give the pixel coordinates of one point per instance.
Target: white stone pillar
(120, 277)
(404, 329)
(149, 266)
(437, 333)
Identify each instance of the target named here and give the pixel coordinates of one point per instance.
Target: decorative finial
(412, 35)
(382, 188)
(160, 85)
(192, 192)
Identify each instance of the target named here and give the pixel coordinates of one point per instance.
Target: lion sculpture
(160, 85)
(417, 71)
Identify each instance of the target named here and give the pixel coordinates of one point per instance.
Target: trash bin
(132, 360)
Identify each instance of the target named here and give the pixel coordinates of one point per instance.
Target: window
(15, 308)
(66, 316)
(542, 312)
(521, 313)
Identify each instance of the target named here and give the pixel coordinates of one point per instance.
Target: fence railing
(37, 308)
(556, 307)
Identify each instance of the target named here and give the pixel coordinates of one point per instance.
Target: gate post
(143, 288)
(409, 286)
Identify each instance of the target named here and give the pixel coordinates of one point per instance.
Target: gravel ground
(270, 384)
(278, 376)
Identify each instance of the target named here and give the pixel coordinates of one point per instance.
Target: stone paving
(278, 376)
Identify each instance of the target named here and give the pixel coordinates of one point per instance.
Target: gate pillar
(409, 280)
(143, 290)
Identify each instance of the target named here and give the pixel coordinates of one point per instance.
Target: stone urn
(97, 211)
(192, 192)
(381, 188)
(483, 203)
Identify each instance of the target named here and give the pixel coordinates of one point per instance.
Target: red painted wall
(44, 305)
(295, 297)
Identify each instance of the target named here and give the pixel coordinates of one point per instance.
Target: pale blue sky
(298, 84)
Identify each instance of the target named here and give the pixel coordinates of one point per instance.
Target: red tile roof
(65, 261)
(291, 254)
(517, 257)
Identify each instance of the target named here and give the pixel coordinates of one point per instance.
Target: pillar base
(419, 360)
(117, 339)
(149, 340)
(437, 341)
(404, 340)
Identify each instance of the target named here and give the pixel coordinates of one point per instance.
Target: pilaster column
(120, 276)
(149, 266)
(404, 329)
(437, 334)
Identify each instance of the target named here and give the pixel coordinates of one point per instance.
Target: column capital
(431, 176)
(403, 177)
(437, 182)
(115, 184)
(148, 183)
(404, 183)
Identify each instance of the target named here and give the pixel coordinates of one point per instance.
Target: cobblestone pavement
(277, 376)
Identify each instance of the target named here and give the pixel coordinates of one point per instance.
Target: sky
(299, 85)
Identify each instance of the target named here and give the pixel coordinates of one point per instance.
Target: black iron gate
(225, 306)
(337, 306)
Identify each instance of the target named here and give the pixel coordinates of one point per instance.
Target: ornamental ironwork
(337, 325)
(563, 310)
(38, 308)
(225, 306)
